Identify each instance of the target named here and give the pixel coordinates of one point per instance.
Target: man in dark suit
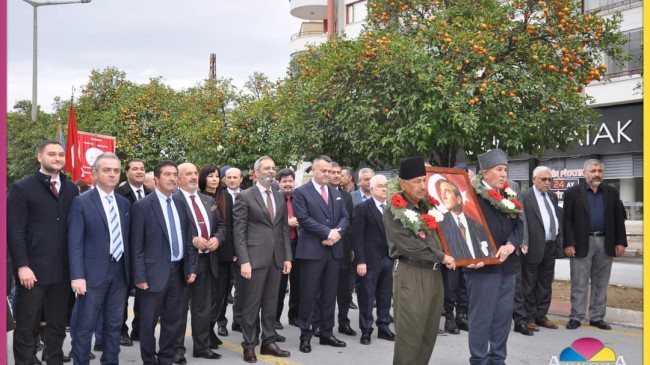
(542, 238)
(207, 231)
(38, 246)
(594, 223)
(133, 190)
(233, 180)
(98, 248)
(261, 239)
(373, 264)
(163, 259)
(323, 220)
(491, 289)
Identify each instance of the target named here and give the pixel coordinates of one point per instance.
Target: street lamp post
(35, 5)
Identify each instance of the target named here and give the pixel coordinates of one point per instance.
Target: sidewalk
(623, 317)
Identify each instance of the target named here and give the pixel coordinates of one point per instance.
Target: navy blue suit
(371, 248)
(89, 245)
(151, 257)
(319, 268)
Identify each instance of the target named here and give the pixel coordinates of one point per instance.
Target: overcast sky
(145, 38)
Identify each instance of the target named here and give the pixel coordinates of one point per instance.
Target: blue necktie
(172, 227)
(116, 235)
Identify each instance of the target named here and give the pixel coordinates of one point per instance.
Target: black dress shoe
(352, 305)
(386, 334)
(572, 324)
(278, 326)
(98, 347)
(601, 324)
(450, 325)
(273, 350)
(236, 327)
(207, 354)
(293, 321)
(125, 340)
(305, 346)
(316, 332)
(179, 359)
(347, 330)
(249, 355)
(331, 341)
(462, 321)
(280, 338)
(222, 331)
(523, 329)
(365, 339)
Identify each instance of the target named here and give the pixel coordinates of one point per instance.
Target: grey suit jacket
(257, 240)
(534, 232)
(357, 197)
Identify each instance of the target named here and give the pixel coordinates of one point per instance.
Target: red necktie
(292, 230)
(199, 218)
(53, 188)
(323, 193)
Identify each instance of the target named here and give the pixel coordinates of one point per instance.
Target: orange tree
(432, 78)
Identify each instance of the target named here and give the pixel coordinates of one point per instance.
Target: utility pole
(213, 66)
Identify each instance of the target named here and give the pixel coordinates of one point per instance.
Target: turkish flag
(73, 162)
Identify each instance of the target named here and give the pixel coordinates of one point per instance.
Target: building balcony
(300, 41)
(309, 9)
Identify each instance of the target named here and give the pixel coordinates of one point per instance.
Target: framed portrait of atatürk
(463, 231)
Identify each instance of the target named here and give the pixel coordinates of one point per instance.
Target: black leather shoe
(273, 350)
(98, 347)
(280, 338)
(347, 330)
(179, 359)
(293, 321)
(331, 341)
(249, 355)
(450, 325)
(316, 332)
(365, 339)
(278, 326)
(462, 321)
(305, 346)
(236, 327)
(601, 324)
(207, 354)
(222, 331)
(352, 305)
(386, 334)
(135, 336)
(523, 329)
(125, 340)
(572, 324)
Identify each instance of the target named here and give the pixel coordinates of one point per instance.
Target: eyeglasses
(545, 179)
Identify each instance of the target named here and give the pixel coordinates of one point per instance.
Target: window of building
(356, 12)
(634, 49)
(604, 5)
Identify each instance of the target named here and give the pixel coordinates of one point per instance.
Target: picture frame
(470, 242)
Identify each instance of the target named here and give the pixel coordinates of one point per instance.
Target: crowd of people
(180, 239)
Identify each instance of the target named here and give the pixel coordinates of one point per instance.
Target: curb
(618, 316)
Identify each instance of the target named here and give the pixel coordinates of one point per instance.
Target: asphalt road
(449, 350)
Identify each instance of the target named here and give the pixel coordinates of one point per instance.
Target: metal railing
(618, 4)
(310, 33)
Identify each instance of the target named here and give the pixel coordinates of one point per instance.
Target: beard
(267, 179)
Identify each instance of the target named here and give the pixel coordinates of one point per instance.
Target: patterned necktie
(383, 208)
(550, 216)
(323, 193)
(53, 188)
(269, 205)
(172, 228)
(116, 235)
(139, 191)
(199, 218)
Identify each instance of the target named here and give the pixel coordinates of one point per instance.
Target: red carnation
(398, 201)
(495, 195)
(432, 200)
(429, 221)
(516, 203)
(506, 185)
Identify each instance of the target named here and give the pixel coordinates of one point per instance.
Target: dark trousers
(294, 293)
(109, 297)
(537, 284)
(377, 285)
(135, 321)
(53, 298)
(455, 291)
(344, 295)
(166, 305)
(99, 327)
(316, 276)
(518, 310)
(221, 288)
(259, 293)
(491, 298)
(197, 299)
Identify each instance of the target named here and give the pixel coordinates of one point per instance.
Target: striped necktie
(117, 248)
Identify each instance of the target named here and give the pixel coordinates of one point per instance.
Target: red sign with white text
(90, 146)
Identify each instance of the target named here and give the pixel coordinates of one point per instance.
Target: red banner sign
(90, 146)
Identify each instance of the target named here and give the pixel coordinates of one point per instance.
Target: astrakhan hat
(411, 167)
(492, 158)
